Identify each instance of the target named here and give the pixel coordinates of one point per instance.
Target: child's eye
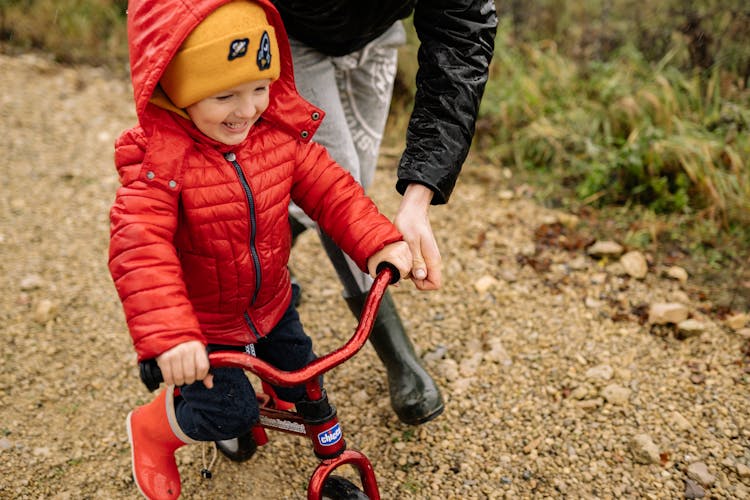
(262, 88)
(223, 97)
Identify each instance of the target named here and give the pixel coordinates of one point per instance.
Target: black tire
(239, 450)
(338, 488)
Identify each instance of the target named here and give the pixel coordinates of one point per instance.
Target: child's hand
(185, 363)
(397, 254)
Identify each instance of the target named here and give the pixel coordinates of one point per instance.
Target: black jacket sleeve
(457, 42)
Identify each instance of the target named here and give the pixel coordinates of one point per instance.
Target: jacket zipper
(232, 158)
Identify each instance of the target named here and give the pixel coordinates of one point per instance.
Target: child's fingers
(208, 381)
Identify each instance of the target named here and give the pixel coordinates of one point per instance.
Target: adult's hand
(412, 219)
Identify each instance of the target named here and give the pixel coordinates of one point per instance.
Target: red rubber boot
(154, 436)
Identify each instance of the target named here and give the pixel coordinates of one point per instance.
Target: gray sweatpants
(355, 92)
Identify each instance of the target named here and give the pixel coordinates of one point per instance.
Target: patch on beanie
(264, 52)
(238, 48)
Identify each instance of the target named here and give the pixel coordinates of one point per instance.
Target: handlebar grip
(395, 273)
(150, 374)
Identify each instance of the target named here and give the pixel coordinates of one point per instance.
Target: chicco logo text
(330, 436)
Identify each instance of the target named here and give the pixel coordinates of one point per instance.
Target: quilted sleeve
(332, 198)
(143, 261)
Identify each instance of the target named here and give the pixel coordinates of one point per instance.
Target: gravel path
(557, 385)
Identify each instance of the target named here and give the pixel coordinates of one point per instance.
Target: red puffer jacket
(199, 231)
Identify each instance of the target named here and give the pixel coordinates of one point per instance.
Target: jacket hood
(156, 30)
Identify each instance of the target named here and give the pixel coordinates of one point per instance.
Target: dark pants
(230, 408)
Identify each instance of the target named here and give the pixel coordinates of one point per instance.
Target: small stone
(601, 372)
(469, 366)
(679, 422)
(498, 353)
(580, 392)
(579, 263)
(616, 394)
(435, 355)
(506, 195)
(485, 283)
(449, 369)
(698, 471)
(509, 275)
(737, 321)
(742, 470)
(361, 397)
(45, 311)
(568, 220)
(605, 249)
(5, 444)
(690, 328)
(693, 490)
(635, 264)
(663, 313)
(592, 303)
(590, 404)
(42, 451)
(744, 333)
(598, 278)
(461, 385)
(677, 273)
(644, 449)
(31, 282)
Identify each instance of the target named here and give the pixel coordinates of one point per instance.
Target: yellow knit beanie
(233, 45)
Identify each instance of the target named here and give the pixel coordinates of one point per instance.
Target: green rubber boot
(415, 397)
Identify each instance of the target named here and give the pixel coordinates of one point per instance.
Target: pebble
(579, 263)
(45, 311)
(662, 313)
(449, 369)
(616, 394)
(497, 353)
(677, 273)
(605, 248)
(737, 321)
(698, 471)
(506, 195)
(31, 282)
(679, 422)
(485, 284)
(635, 264)
(600, 372)
(469, 366)
(644, 450)
(690, 328)
(693, 490)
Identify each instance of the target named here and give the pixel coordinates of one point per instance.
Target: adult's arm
(457, 42)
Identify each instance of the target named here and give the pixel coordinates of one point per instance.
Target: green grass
(73, 31)
(622, 131)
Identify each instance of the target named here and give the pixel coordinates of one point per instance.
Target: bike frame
(315, 418)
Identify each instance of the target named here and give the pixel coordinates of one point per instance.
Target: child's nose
(247, 108)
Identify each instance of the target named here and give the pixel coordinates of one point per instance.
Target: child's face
(228, 116)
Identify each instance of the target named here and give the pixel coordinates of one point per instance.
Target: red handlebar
(324, 363)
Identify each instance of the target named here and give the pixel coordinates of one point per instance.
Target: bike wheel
(339, 488)
(238, 449)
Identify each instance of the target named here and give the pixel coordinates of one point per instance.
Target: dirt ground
(556, 384)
